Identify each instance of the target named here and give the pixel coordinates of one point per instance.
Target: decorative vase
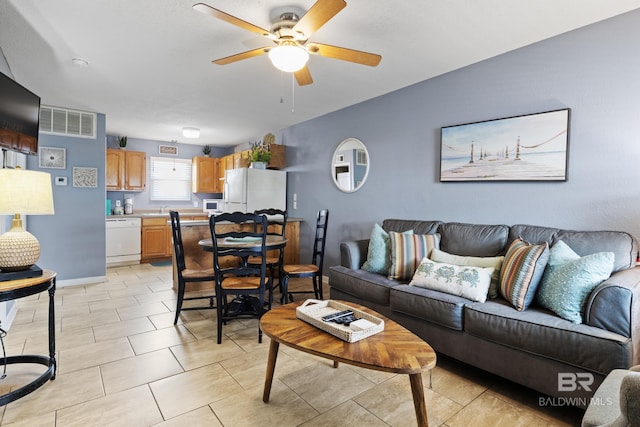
(259, 165)
(123, 148)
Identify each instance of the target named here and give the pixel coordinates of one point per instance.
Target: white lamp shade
(288, 57)
(25, 192)
(22, 192)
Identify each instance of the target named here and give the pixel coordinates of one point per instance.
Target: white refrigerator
(248, 189)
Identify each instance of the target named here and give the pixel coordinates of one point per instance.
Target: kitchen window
(170, 179)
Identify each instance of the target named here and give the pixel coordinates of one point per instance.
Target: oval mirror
(350, 165)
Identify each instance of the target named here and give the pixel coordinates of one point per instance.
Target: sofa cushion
(433, 306)
(379, 251)
(532, 233)
(361, 284)
(418, 227)
(473, 239)
(464, 281)
(474, 261)
(407, 250)
(541, 332)
(588, 242)
(622, 244)
(569, 279)
(521, 272)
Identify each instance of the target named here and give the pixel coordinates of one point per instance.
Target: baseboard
(80, 281)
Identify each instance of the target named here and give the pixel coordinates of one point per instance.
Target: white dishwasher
(123, 241)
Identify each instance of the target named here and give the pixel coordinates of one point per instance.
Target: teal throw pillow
(379, 251)
(569, 279)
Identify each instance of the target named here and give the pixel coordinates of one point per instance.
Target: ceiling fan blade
(303, 76)
(321, 12)
(344, 54)
(240, 56)
(208, 10)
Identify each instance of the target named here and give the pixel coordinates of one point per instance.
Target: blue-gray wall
(595, 71)
(72, 242)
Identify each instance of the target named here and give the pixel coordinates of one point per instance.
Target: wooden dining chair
(187, 275)
(246, 282)
(277, 226)
(313, 270)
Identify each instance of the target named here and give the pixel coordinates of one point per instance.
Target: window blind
(170, 179)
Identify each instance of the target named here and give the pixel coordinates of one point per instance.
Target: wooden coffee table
(393, 350)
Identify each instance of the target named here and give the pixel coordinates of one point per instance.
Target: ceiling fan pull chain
(282, 83)
(293, 95)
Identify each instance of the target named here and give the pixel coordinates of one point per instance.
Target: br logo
(570, 381)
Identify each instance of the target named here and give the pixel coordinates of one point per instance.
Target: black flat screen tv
(19, 117)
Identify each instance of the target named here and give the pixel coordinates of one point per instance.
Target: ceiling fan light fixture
(288, 57)
(190, 132)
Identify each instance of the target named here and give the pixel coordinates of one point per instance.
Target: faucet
(162, 209)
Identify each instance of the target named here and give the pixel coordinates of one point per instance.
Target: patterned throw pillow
(569, 279)
(521, 272)
(379, 252)
(473, 261)
(465, 281)
(407, 250)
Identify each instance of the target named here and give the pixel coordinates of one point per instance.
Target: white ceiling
(150, 66)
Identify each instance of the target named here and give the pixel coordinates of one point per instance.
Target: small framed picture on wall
(52, 158)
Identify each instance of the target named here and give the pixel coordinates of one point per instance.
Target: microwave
(212, 206)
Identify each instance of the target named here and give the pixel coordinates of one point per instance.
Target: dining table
(272, 243)
(244, 304)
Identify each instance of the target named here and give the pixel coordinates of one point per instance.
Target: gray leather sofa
(534, 347)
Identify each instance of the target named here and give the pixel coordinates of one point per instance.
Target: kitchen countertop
(155, 213)
(186, 222)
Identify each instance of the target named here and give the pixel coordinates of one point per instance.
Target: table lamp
(22, 192)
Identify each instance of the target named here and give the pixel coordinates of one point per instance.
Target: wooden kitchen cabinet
(229, 162)
(204, 175)
(155, 234)
(157, 238)
(241, 159)
(126, 170)
(221, 174)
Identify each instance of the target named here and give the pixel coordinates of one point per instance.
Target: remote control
(332, 317)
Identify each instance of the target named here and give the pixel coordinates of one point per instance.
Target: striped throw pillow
(407, 251)
(522, 271)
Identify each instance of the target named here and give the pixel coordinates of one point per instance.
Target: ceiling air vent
(62, 121)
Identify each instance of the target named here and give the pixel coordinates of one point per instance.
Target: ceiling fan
(290, 34)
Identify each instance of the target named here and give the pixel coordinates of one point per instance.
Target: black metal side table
(15, 289)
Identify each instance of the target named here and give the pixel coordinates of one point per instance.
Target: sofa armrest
(614, 305)
(353, 253)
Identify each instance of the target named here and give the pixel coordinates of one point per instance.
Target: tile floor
(122, 362)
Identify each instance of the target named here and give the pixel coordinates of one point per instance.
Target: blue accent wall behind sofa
(595, 71)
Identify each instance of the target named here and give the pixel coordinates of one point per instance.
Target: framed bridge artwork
(532, 147)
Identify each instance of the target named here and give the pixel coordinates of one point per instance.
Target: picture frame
(52, 158)
(532, 147)
(168, 149)
(85, 177)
